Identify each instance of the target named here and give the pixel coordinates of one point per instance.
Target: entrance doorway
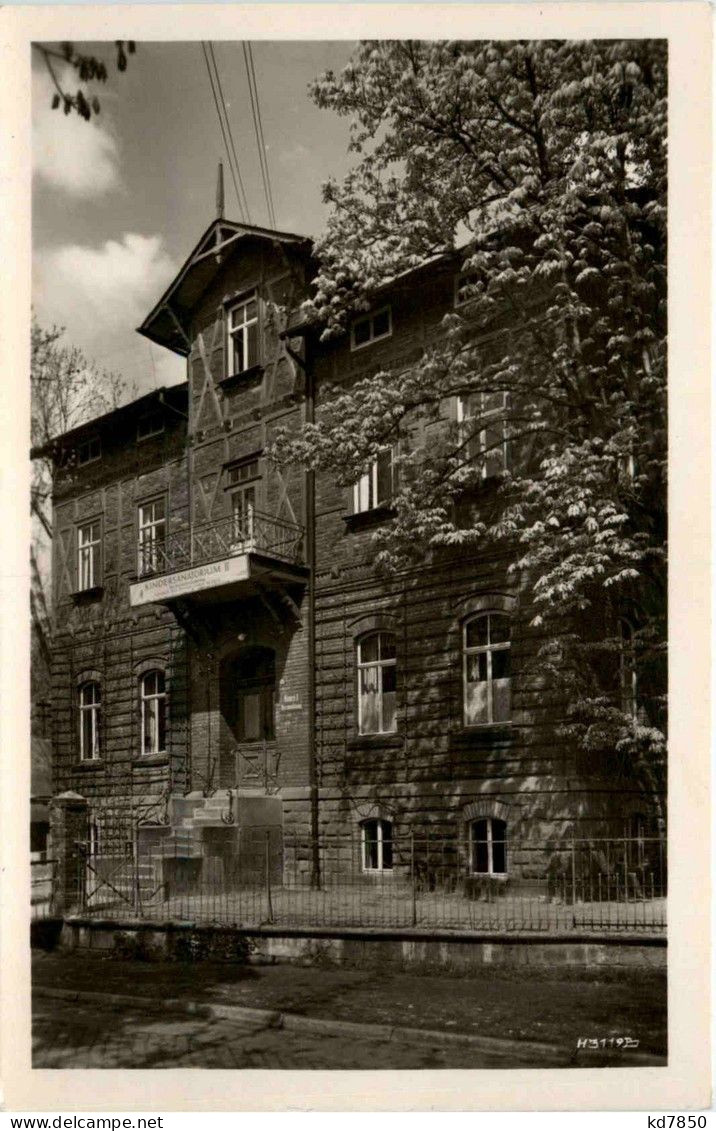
(248, 694)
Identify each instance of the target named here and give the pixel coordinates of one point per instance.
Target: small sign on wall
(289, 702)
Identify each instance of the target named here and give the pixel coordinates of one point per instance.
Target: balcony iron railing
(258, 533)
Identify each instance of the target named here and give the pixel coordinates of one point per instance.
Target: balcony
(219, 561)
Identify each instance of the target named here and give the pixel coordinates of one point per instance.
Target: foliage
(67, 389)
(537, 170)
(89, 68)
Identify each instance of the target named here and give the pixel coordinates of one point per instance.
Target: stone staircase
(190, 816)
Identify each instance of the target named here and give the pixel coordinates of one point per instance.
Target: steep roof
(165, 323)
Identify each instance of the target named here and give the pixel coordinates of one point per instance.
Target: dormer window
(89, 450)
(374, 326)
(151, 424)
(243, 330)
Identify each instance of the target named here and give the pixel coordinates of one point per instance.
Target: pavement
(222, 1015)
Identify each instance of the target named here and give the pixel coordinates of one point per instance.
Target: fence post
(412, 876)
(68, 827)
(626, 873)
(268, 875)
(574, 883)
(82, 855)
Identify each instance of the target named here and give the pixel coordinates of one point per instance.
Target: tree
(89, 68)
(66, 390)
(540, 168)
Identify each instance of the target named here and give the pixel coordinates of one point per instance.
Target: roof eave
(203, 255)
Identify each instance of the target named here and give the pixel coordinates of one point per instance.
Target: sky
(119, 202)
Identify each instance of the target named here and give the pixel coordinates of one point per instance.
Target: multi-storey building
(224, 644)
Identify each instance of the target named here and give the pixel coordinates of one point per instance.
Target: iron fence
(213, 541)
(252, 877)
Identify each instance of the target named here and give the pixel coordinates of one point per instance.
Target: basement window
(488, 846)
(377, 837)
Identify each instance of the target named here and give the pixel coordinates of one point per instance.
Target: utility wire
(223, 131)
(244, 200)
(258, 129)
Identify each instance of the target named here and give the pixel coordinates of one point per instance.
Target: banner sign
(190, 580)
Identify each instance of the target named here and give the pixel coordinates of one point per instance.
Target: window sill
(362, 519)
(88, 764)
(493, 877)
(86, 596)
(141, 760)
(391, 741)
(247, 376)
(483, 734)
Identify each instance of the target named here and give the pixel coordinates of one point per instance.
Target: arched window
(376, 683)
(90, 708)
(488, 846)
(486, 669)
(377, 845)
(153, 712)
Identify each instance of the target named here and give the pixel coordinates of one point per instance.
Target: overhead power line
(229, 147)
(244, 199)
(258, 129)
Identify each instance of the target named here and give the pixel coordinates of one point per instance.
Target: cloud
(101, 294)
(80, 158)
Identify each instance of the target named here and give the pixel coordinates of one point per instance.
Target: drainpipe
(310, 486)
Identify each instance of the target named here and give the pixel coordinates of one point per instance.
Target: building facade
(226, 652)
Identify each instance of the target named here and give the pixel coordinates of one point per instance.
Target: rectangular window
(152, 536)
(243, 330)
(89, 450)
(243, 481)
(489, 846)
(90, 706)
(486, 669)
(243, 510)
(482, 420)
(377, 838)
(377, 485)
(377, 684)
(89, 541)
(151, 424)
(153, 701)
(371, 328)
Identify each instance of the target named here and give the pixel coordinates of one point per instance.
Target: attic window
(89, 450)
(243, 330)
(151, 424)
(372, 328)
